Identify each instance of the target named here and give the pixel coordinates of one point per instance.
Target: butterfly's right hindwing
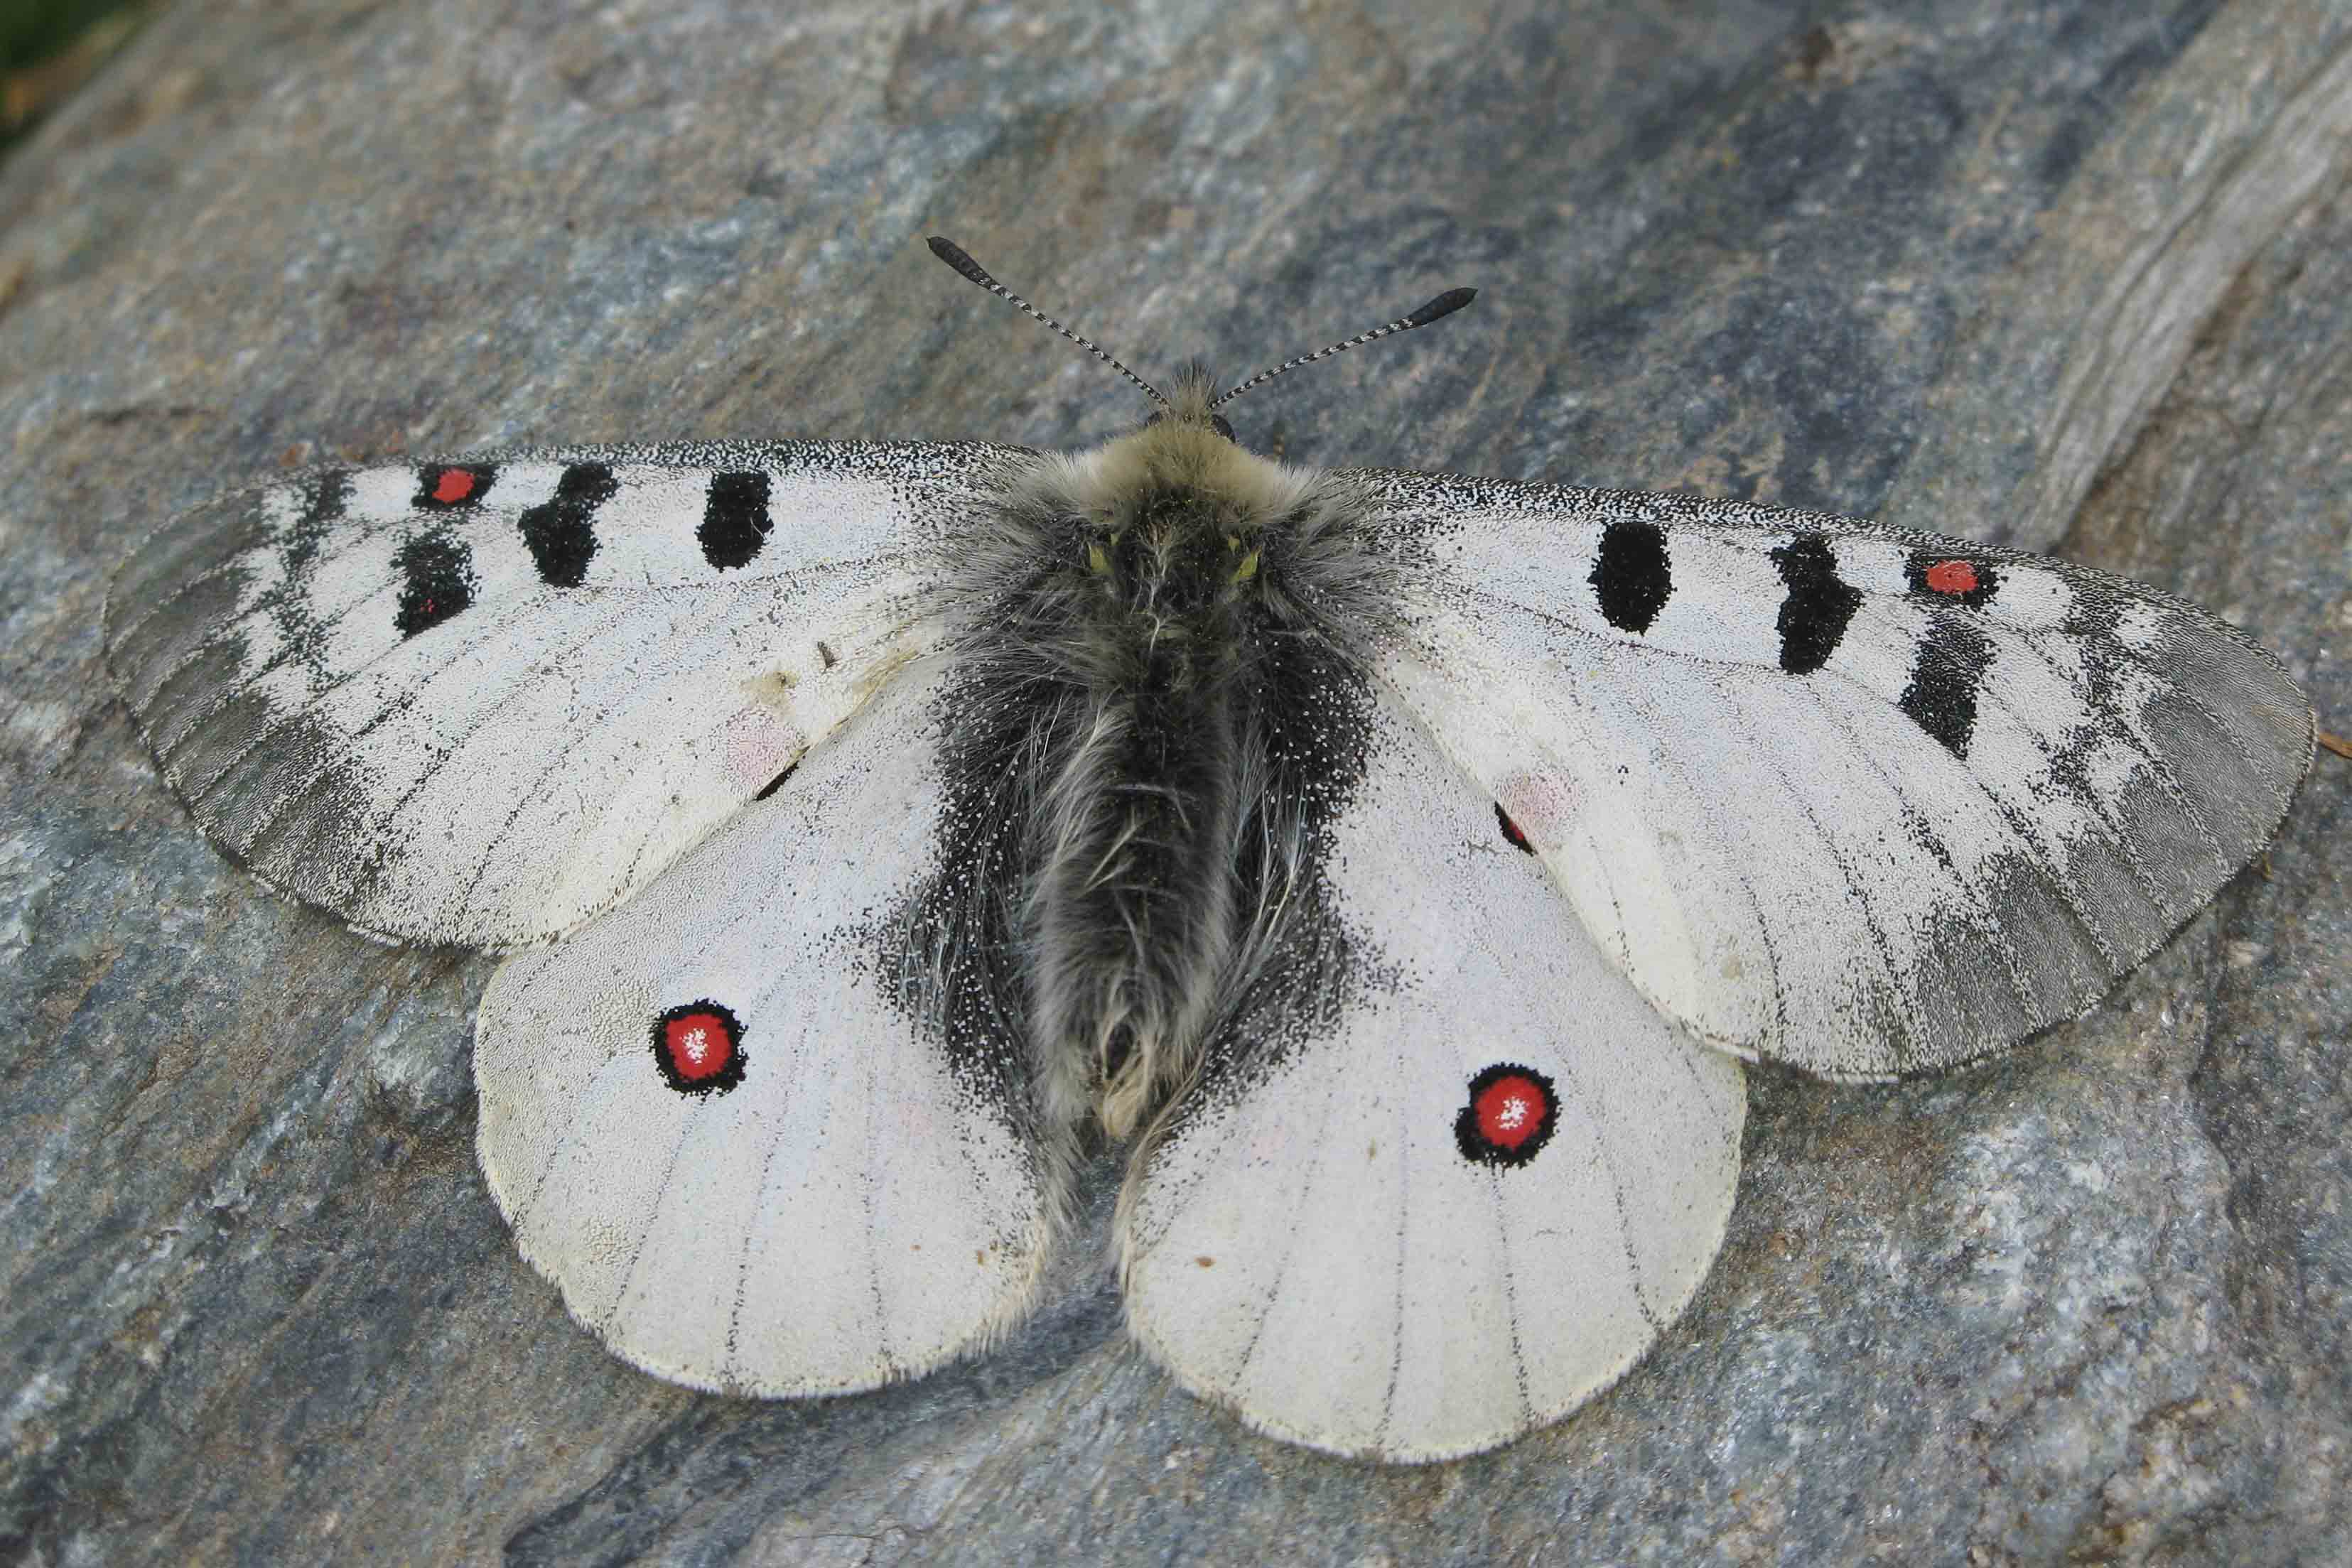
(477, 701)
(754, 1121)
(1444, 1176)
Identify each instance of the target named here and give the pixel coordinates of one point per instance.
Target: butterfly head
(1175, 528)
(1176, 512)
(1195, 404)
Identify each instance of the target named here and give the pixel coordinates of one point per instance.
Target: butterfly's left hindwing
(1861, 800)
(475, 701)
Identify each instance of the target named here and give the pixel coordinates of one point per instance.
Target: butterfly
(1403, 863)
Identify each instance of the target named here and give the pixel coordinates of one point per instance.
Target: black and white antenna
(1444, 305)
(955, 255)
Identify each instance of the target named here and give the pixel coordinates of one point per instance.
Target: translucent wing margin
(1446, 1176)
(1846, 796)
(475, 701)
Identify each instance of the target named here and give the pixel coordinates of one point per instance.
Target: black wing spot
(329, 497)
(735, 522)
(290, 608)
(1818, 606)
(437, 573)
(1631, 580)
(561, 533)
(1945, 674)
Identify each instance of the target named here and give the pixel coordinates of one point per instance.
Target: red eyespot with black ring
(1509, 1117)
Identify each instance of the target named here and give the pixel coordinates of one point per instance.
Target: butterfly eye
(1217, 423)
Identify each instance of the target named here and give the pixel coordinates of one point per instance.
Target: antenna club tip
(955, 255)
(1445, 304)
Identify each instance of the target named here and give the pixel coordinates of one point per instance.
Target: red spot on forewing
(453, 486)
(1511, 1111)
(1953, 577)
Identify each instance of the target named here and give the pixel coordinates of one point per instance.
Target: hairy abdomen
(1133, 908)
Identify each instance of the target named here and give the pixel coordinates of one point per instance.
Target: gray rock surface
(2070, 274)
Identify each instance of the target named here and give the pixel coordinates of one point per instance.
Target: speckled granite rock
(2069, 276)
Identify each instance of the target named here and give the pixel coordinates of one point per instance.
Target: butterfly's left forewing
(477, 701)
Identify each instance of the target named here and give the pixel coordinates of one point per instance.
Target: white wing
(475, 702)
(743, 1121)
(1852, 797)
(1447, 1176)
